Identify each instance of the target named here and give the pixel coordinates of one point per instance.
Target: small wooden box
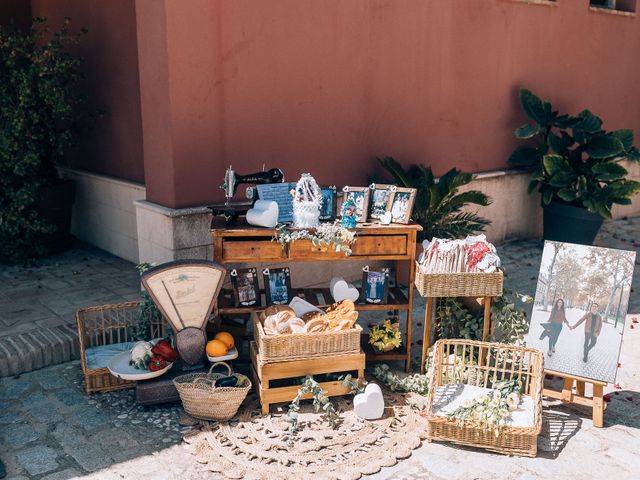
(264, 372)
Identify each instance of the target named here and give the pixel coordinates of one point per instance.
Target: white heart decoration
(385, 218)
(263, 214)
(341, 290)
(369, 404)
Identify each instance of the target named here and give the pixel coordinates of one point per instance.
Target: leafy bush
(574, 160)
(438, 205)
(39, 109)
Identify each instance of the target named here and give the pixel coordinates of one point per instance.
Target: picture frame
(380, 199)
(401, 205)
(246, 289)
(360, 196)
(375, 285)
(277, 285)
(329, 198)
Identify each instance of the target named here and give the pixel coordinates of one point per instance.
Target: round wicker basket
(202, 399)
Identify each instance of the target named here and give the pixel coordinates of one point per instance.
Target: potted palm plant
(576, 167)
(439, 205)
(40, 107)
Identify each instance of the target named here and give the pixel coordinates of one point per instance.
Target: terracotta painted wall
(17, 10)
(114, 145)
(326, 86)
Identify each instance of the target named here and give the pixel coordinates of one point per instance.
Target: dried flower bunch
(333, 235)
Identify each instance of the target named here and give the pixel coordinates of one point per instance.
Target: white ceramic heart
(385, 218)
(263, 214)
(369, 404)
(341, 290)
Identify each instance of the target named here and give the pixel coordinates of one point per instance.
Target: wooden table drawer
(383, 245)
(251, 250)
(305, 249)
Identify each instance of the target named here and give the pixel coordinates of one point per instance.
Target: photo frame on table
(328, 208)
(375, 285)
(246, 289)
(360, 196)
(402, 204)
(380, 199)
(579, 311)
(277, 285)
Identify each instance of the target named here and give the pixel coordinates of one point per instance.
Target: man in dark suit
(592, 326)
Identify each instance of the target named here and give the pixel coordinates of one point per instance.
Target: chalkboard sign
(281, 194)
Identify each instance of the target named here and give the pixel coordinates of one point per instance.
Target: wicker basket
(107, 325)
(201, 399)
(485, 363)
(479, 284)
(304, 345)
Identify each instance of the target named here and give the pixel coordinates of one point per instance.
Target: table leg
(580, 388)
(487, 318)
(426, 338)
(412, 276)
(598, 406)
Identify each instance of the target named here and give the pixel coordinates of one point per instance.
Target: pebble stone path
(49, 429)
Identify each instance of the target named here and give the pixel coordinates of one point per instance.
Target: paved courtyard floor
(49, 429)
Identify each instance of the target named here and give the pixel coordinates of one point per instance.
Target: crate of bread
(281, 334)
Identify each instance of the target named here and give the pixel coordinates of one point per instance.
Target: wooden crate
(264, 372)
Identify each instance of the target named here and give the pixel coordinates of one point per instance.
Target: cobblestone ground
(49, 429)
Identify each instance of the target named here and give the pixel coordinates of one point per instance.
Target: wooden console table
(247, 244)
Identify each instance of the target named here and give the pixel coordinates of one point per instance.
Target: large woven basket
(435, 285)
(304, 345)
(202, 399)
(485, 363)
(107, 325)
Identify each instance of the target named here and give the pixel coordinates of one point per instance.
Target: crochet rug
(251, 446)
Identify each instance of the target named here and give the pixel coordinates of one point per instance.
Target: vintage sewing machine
(231, 209)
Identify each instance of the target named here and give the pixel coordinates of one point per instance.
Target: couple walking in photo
(592, 326)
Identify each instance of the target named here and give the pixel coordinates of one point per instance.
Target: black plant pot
(565, 223)
(54, 207)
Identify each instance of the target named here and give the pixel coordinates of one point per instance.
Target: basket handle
(229, 369)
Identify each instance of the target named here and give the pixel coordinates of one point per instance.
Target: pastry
(273, 309)
(316, 325)
(343, 325)
(294, 325)
(275, 324)
(311, 315)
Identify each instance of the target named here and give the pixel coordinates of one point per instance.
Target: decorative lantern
(307, 200)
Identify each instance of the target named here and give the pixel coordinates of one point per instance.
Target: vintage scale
(185, 292)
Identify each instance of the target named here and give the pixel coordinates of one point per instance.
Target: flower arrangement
(490, 412)
(385, 336)
(331, 234)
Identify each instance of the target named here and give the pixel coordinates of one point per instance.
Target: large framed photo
(246, 290)
(402, 204)
(277, 285)
(580, 308)
(375, 285)
(360, 196)
(328, 208)
(381, 198)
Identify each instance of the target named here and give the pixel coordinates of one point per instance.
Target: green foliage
(39, 105)
(438, 206)
(320, 401)
(574, 161)
(417, 383)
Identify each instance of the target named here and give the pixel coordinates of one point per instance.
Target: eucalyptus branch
(320, 401)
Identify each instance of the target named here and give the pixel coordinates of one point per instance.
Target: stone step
(38, 348)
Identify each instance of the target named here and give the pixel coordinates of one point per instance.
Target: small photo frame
(375, 285)
(246, 289)
(277, 285)
(402, 204)
(380, 199)
(360, 196)
(328, 208)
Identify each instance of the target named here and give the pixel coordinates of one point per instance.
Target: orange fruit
(216, 348)
(226, 338)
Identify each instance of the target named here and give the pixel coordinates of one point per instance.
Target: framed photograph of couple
(375, 285)
(580, 308)
(328, 208)
(381, 199)
(360, 196)
(277, 285)
(401, 204)
(246, 290)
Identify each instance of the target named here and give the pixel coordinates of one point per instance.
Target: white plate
(301, 306)
(119, 367)
(231, 355)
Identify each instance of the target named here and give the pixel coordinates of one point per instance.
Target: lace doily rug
(255, 447)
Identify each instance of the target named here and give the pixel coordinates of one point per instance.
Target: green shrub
(39, 110)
